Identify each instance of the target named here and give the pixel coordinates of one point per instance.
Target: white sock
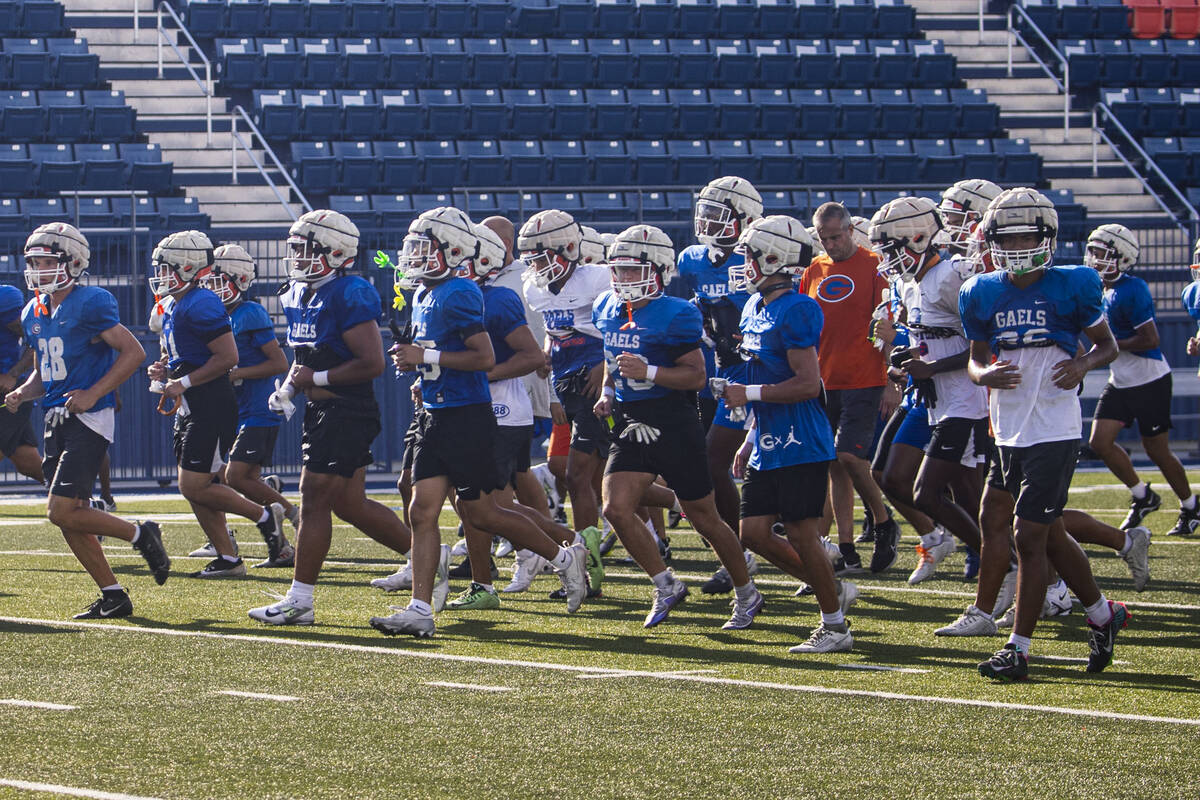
(421, 607)
(487, 587)
(1099, 613)
(266, 515)
(1021, 642)
(979, 610)
(302, 592)
(137, 533)
(1128, 543)
(833, 620)
(1139, 491)
(231, 559)
(663, 580)
(932, 538)
(563, 559)
(1189, 504)
(116, 587)
(745, 592)
(650, 527)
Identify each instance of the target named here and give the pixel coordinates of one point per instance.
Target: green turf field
(543, 705)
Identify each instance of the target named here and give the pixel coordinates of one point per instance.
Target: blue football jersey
(1191, 300)
(70, 353)
(444, 315)
(1054, 311)
(664, 329)
(193, 320)
(317, 321)
(787, 433)
(11, 303)
(503, 313)
(709, 285)
(1128, 305)
(252, 329)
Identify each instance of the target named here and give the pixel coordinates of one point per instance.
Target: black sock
(848, 552)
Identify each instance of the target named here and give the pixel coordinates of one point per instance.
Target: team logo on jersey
(835, 288)
(36, 328)
(767, 442)
(500, 410)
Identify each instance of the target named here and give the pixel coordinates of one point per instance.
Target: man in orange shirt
(846, 283)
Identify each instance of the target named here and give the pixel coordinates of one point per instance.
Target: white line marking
(509, 662)
(879, 668)
(36, 704)
(1068, 659)
(475, 686)
(282, 698)
(70, 791)
(641, 674)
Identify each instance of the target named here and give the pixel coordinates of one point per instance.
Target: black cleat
(674, 518)
(108, 606)
(150, 545)
(463, 570)
(1007, 664)
(868, 532)
(719, 583)
(1102, 637)
(1139, 509)
(887, 536)
(1187, 523)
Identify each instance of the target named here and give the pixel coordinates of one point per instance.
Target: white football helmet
(1195, 267)
(549, 242)
(1021, 210)
(320, 242)
(777, 243)
(818, 250)
(66, 245)
(178, 260)
(650, 251)
(438, 242)
(487, 261)
(591, 246)
(962, 208)
(861, 231)
(724, 209)
(902, 233)
(1111, 249)
(231, 274)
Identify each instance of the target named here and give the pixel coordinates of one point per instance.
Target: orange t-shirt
(848, 292)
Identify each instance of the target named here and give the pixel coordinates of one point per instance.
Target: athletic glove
(641, 433)
(280, 400)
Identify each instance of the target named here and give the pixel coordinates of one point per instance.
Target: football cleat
(826, 639)
(1007, 664)
(973, 622)
(109, 605)
(527, 565)
(929, 558)
(1058, 600)
(744, 613)
(595, 567)
(208, 551)
(285, 612)
(406, 621)
(1102, 637)
(575, 577)
(1187, 523)
(847, 593)
(221, 568)
(475, 598)
(1139, 509)
(150, 545)
(399, 580)
(1137, 557)
(664, 600)
(441, 583)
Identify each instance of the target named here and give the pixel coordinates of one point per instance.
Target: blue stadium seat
(778, 202)
(448, 64)
(655, 16)
(1153, 64)
(1020, 166)
(734, 158)
(43, 17)
(575, 18)
(1085, 63)
(357, 207)
(16, 169)
(1191, 145)
(694, 62)
(895, 18)
(484, 164)
(66, 116)
(24, 118)
(858, 202)
(443, 169)
(394, 210)
(979, 159)
(818, 116)
(1162, 110)
(1170, 158)
(533, 17)
(653, 206)
(736, 63)
(74, 66)
(898, 114)
(571, 202)
(695, 17)
(326, 17)
(488, 114)
(531, 115)
(363, 63)
(693, 164)
(977, 116)
(1185, 59)
(93, 212)
(481, 204)
(776, 64)
(900, 162)
(568, 164)
(816, 17)
(737, 18)
(367, 17)
(855, 17)
(447, 114)
(205, 18)
(777, 115)
(615, 66)
(777, 17)
(362, 115)
(895, 65)
(935, 67)
(654, 64)
(131, 212)
(572, 62)
(29, 64)
(11, 221)
(43, 210)
(858, 115)
(818, 165)
(321, 62)
(939, 117)
(245, 16)
(1044, 14)
(282, 63)
(651, 163)
(399, 168)
(181, 213)
(313, 166)
(613, 113)
(489, 61)
(452, 18)
(695, 115)
(526, 163)
(615, 17)
(572, 117)
(1125, 107)
(57, 168)
(286, 18)
(414, 17)
(1112, 18)
(103, 168)
(776, 164)
(682, 203)
(358, 168)
(112, 119)
(402, 112)
(147, 170)
(938, 163)
(859, 164)
(320, 117)
(655, 116)
(407, 62)
(606, 207)
(1120, 67)
(239, 65)
(1189, 108)
(1076, 21)
(609, 161)
(736, 117)
(855, 62)
(531, 62)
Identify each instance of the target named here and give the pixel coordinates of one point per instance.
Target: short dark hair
(831, 210)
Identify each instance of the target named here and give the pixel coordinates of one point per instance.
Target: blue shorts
(915, 429)
(735, 374)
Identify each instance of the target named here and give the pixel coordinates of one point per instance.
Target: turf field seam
(703, 679)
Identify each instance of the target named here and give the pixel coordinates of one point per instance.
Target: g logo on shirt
(500, 410)
(835, 288)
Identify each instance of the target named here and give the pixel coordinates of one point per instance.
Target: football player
(1139, 382)
(200, 352)
(456, 446)
(960, 210)
(17, 442)
(333, 329)
(83, 354)
(260, 358)
(1029, 315)
(653, 366)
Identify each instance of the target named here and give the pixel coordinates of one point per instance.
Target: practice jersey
(720, 306)
(11, 303)
(252, 329)
(195, 319)
(848, 292)
(1035, 328)
(786, 433)
(1128, 306)
(444, 316)
(936, 330)
(503, 313)
(538, 388)
(69, 351)
(1191, 300)
(574, 341)
(316, 322)
(664, 330)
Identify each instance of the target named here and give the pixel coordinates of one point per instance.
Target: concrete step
(1000, 70)
(219, 158)
(128, 53)
(1008, 87)
(937, 23)
(1026, 101)
(1112, 186)
(159, 88)
(246, 193)
(1071, 153)
(107, 36)
(968, 37)
(1039, 135)
(988, 54)
(943, 7)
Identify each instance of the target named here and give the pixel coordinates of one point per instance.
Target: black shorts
(1038, 476)
(853, 414)
(511, 452)
(410, 439)
(679, 455)
(960, 440)
(708, 411)
(16, 429)
(205, 434)
(792, 493)
(1149, 405)
(589, 434)
(459, 443)
(74, 453)
(879, 459)
(255, 444)
(337, 435)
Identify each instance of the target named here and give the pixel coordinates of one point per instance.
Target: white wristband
(651, 371)
(608, 391)
(754, 393)
(321, 378)
(431, 356)
(186, 381)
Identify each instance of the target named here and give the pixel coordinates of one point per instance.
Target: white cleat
(1058, 600)
(973, 622)
(1008, 590)
(826, 640)
(460, 548)
(441, 583)
(398, 581)
(504, 549)
(930, 557)
(751, 564)
(744, 613)
(574, 577)
(847, 595)
(208, 551)
(285, 612)
(1137, 558)
(406, 621)
(527, 565)
(1009, 617)
(293, 516)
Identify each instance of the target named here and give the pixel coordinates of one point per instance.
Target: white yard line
(70, 791)
(36, 704)
(688, 678)
(881, 668)
(280, 698)
(641, 674)
(473, 686)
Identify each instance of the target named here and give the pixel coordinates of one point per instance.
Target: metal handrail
(207, 84)
(236, 139)
(1097, 132)
(1065, 84)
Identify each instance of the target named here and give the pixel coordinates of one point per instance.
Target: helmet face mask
(634, 279)
(1103, 259)
(1020, 252)
(1195, 267)
(641, 262)
(46, 273)
(421, 258)
(1111, 250)
(716, 224)
(306, 262)
(770, 246)
(550, 245)
(897, 261)
(56, 255)
(962, 207)
(903, 233)
(231, 275)
(178, 260)
(320, 242)
(220, 285)
(723, 210)
(1021, 229)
